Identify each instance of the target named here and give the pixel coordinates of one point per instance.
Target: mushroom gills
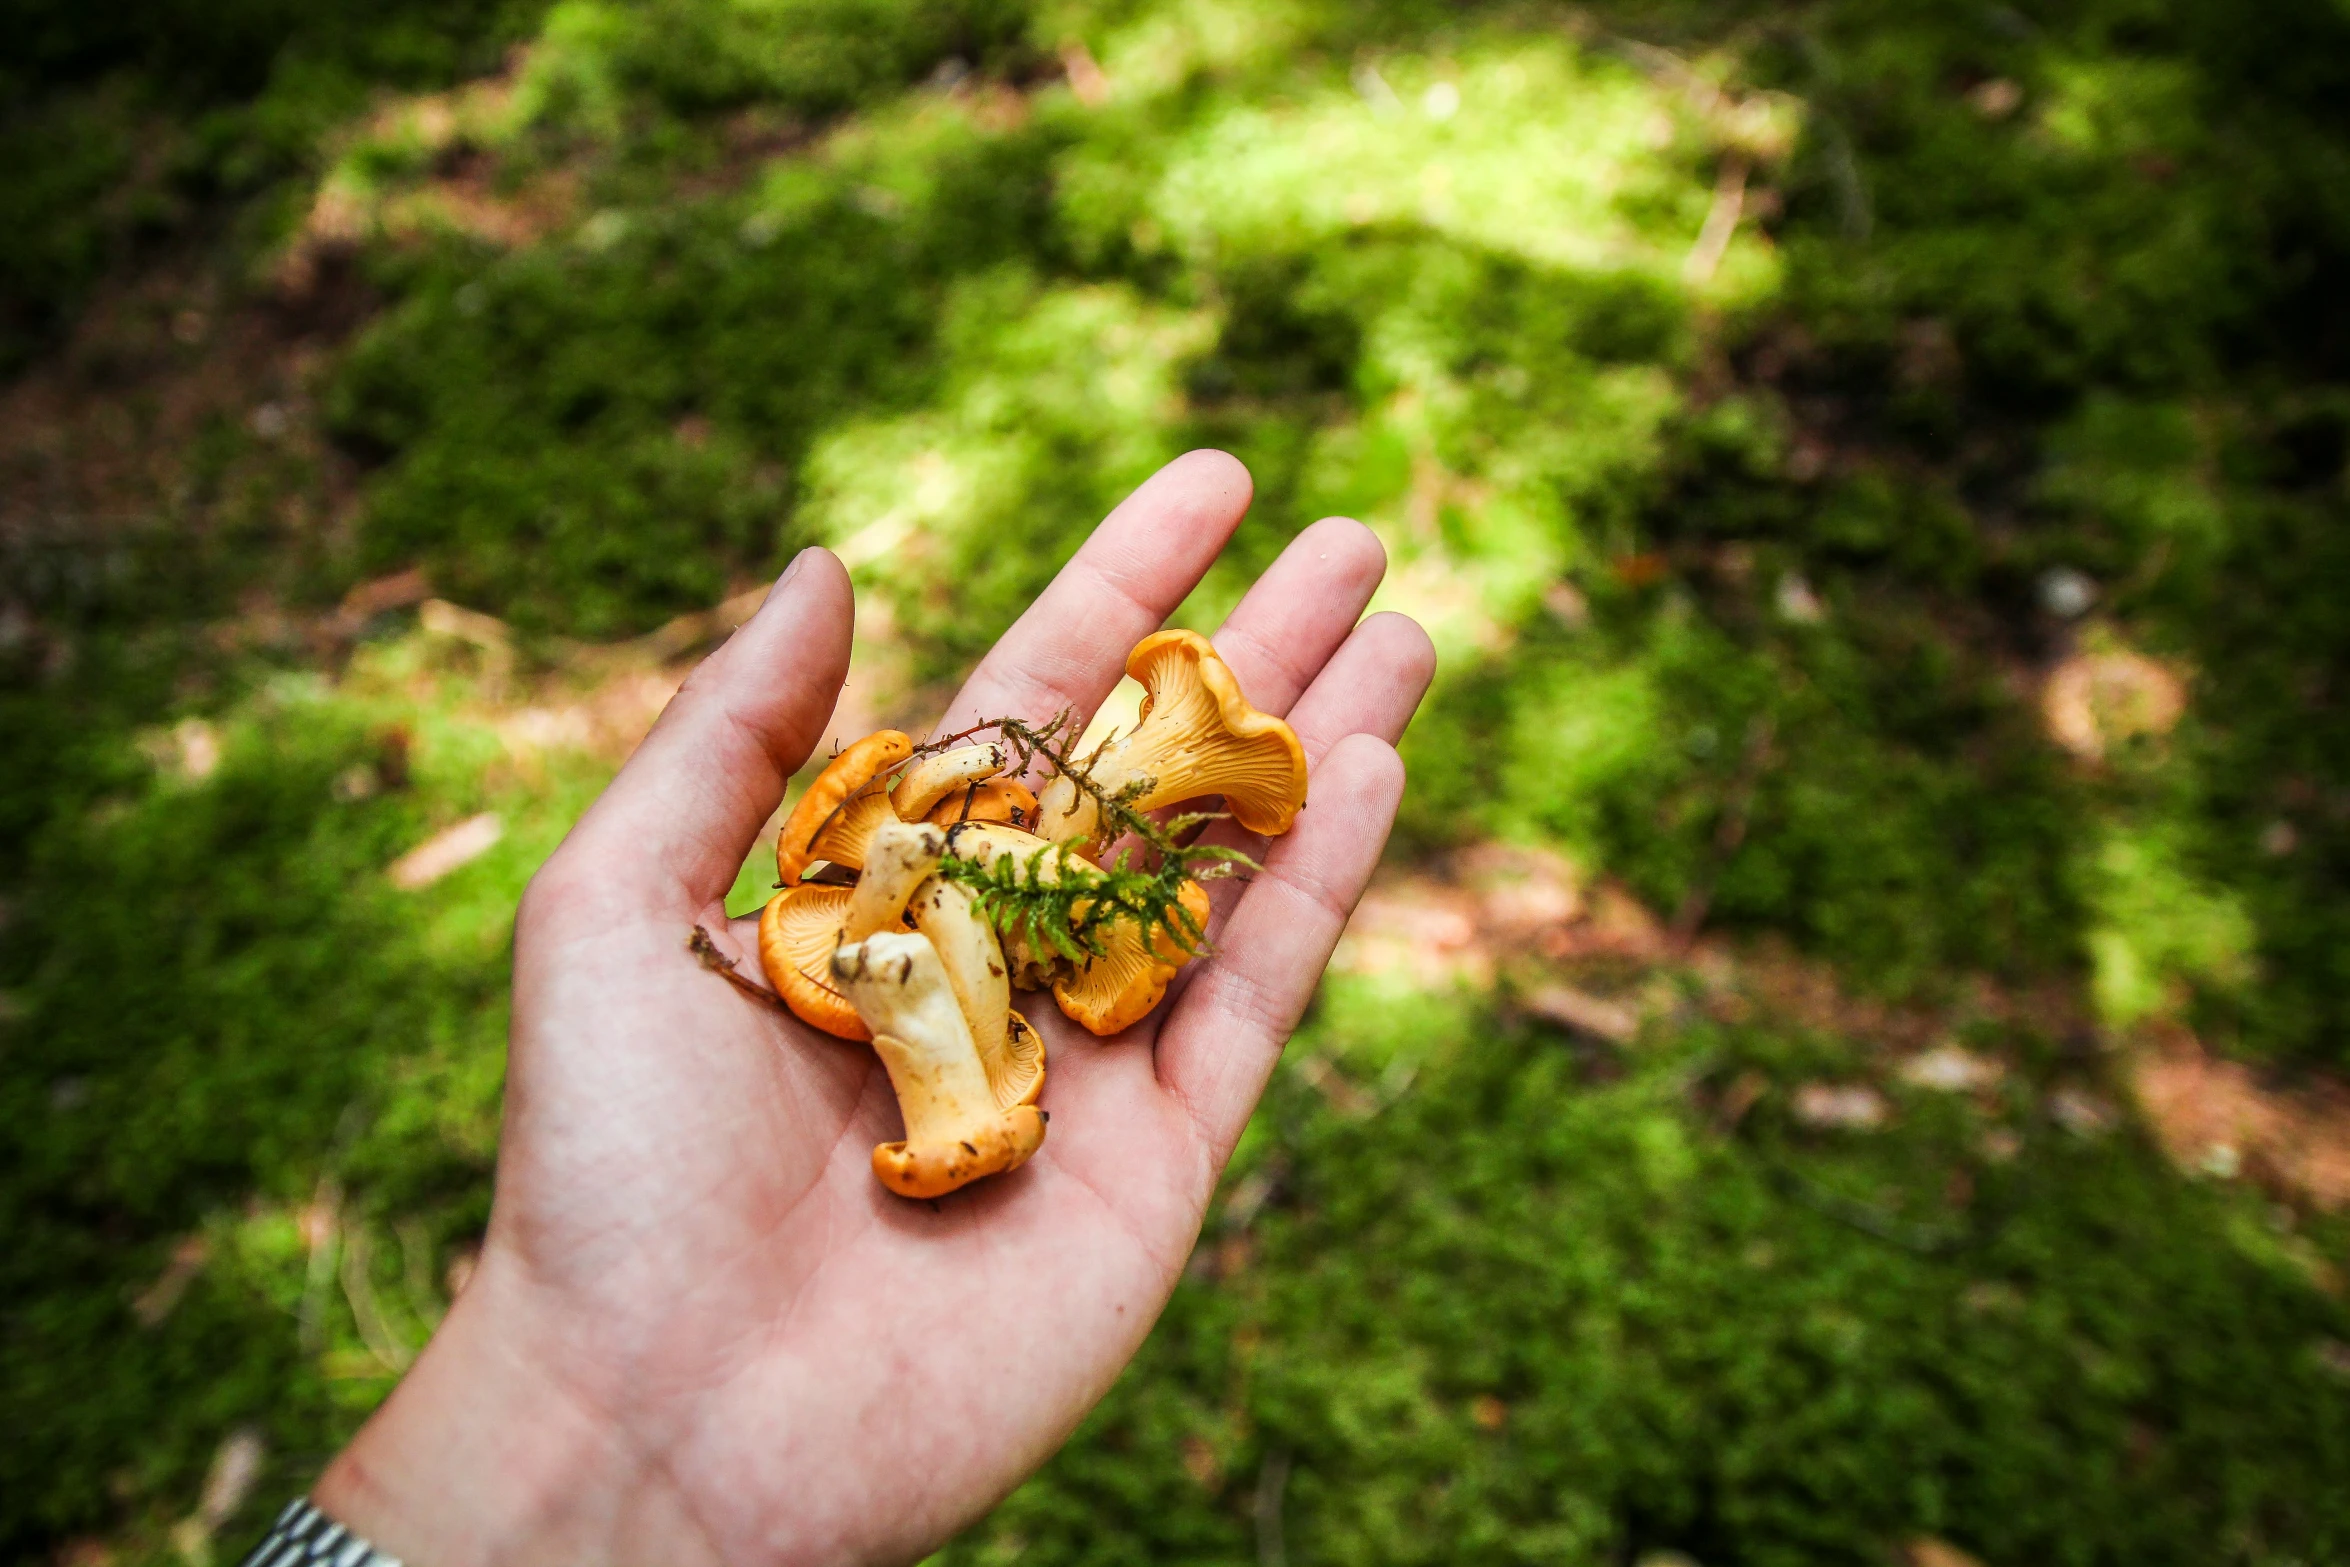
(1116, 988)
(797, 932)
(834, 811)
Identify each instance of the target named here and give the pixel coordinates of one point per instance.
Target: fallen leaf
(1087, 82)
(236, 1465)
(1951, 1070)
(1521, 891)
(1343, 1093)
(445, 851)
(1641, 571)
(157, 1300)
(1851, 1107)
(1250, 1196)
(370, 599)
(2095, 701)
(1996, 99)
(1200, 1462)
(1584, 1013)
(1992, 1296)
(1624, 926)
(1418, 930)
(190, 748)
(1745, 1090)
(1567, 605)
(1797, 603)
(1928, 1552)
(2080, 1112)
(2001, 1144)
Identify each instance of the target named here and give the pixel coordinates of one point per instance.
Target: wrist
(485, 1453)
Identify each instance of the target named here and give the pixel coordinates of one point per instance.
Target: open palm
(701, 1329)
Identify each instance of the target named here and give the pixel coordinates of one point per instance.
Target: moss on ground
(1519, 1315)
(1748, 549)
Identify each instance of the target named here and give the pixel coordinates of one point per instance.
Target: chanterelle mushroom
(956, 1132)
(1198, 736)
(833, 820)
(797, 932)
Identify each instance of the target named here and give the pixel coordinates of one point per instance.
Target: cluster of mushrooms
(869, 940)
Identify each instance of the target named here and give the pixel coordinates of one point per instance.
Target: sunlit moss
(2159, 928)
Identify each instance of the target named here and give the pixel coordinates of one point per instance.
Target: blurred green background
(1838, 1069)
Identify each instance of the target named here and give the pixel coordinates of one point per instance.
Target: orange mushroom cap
(797, 932)
(833, 811)
(1004, 800)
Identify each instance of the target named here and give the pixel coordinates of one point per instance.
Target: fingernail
(793, 570)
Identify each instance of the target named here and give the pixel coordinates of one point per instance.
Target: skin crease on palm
(701, 1330)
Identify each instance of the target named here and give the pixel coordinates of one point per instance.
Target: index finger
(1070, 647)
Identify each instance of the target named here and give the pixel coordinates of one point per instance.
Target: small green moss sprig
(1071, 910)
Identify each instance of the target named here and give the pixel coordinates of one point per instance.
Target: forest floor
(1844, 1062)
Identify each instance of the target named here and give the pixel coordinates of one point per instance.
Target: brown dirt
(2219, 1117)
(1588, 956)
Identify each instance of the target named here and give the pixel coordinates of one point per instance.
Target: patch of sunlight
(1170, 44)
(1583, 730)
(1035, 376)
(384, 179)
(447, 727)
(1472, 553)
(2113, 107)
(1546, 155)
(1453, 599)
(573, 74)
(2160, 929)
(1387, 1022)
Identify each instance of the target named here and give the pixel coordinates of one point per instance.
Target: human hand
(700, 1329)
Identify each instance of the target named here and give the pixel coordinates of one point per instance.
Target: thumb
(677, 821)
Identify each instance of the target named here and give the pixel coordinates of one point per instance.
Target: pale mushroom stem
(974, 962)
(897, 859)
(955, 1130)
